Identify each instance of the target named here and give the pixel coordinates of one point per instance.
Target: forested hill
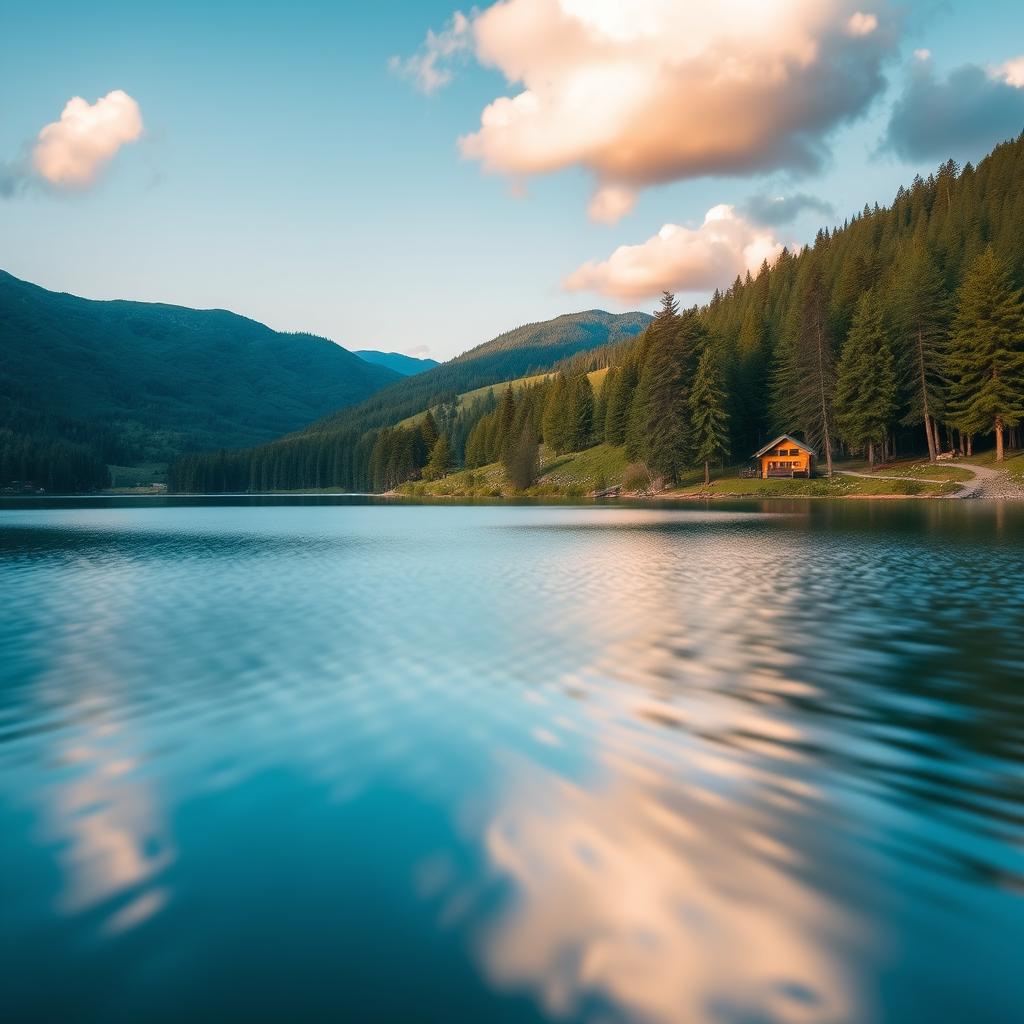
(129, 382)
(903, 329)
(531, 348)
(902, 274)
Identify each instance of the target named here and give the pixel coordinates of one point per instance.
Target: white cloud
(861, 24)
(72, 152)
(428, 68)
(923, 54)
(1011, 72)
(681, 259)
(659, 90)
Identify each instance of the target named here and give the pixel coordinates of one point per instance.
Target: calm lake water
(323, 760)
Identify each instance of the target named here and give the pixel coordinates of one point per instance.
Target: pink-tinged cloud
(611, 203)
(659, 90)
(1011, 72)
(72, 152)
(681, 259)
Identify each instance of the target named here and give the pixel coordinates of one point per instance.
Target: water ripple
(595, 763)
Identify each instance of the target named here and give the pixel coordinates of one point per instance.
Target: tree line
(38, 449)
(903, 329)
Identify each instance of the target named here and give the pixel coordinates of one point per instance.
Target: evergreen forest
(901, 330)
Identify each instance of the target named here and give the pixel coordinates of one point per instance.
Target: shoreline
(986, 484)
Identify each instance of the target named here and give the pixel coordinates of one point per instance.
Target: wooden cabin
(785, 456)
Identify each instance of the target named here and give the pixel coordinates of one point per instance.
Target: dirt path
(988, 483)
(992, 484)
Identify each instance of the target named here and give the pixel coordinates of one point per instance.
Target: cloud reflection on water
(101, 812)
(668, 909)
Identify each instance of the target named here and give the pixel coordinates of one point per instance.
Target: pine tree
(709, 422)
(986, 358)
(505, 437)
(620, 396)
(661, 415)
(440, 460)
(866, 385)
(922, 318)
(600, 408)
(429, 431)
(555, 421)
(580, 413)
(804, 380)
(523, 461)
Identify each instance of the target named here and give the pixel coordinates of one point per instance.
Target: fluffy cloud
(861, 24)
(961, 115)
(72, 152)
(1012, 72)
(428, 68)
(681, 259)
(776, 210)
(657, 90)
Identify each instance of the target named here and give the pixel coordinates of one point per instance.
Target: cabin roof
(782, 437)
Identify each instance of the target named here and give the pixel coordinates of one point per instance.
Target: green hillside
(134, 382)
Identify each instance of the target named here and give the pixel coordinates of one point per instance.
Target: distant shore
(981, 478)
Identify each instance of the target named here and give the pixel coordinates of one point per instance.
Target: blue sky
(286, 172)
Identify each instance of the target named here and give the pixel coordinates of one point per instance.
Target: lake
(329, 759)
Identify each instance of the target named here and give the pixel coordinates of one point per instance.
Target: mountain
(407, 366)
(530, 349)
(144, 382)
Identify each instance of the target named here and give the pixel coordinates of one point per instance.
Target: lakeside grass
(920, 468)
(575, 474)
(724, 486)
(581, 473)
(144, 475)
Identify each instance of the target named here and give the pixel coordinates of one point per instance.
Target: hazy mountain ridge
(407, 366)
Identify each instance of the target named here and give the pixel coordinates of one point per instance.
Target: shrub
(637, 477)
